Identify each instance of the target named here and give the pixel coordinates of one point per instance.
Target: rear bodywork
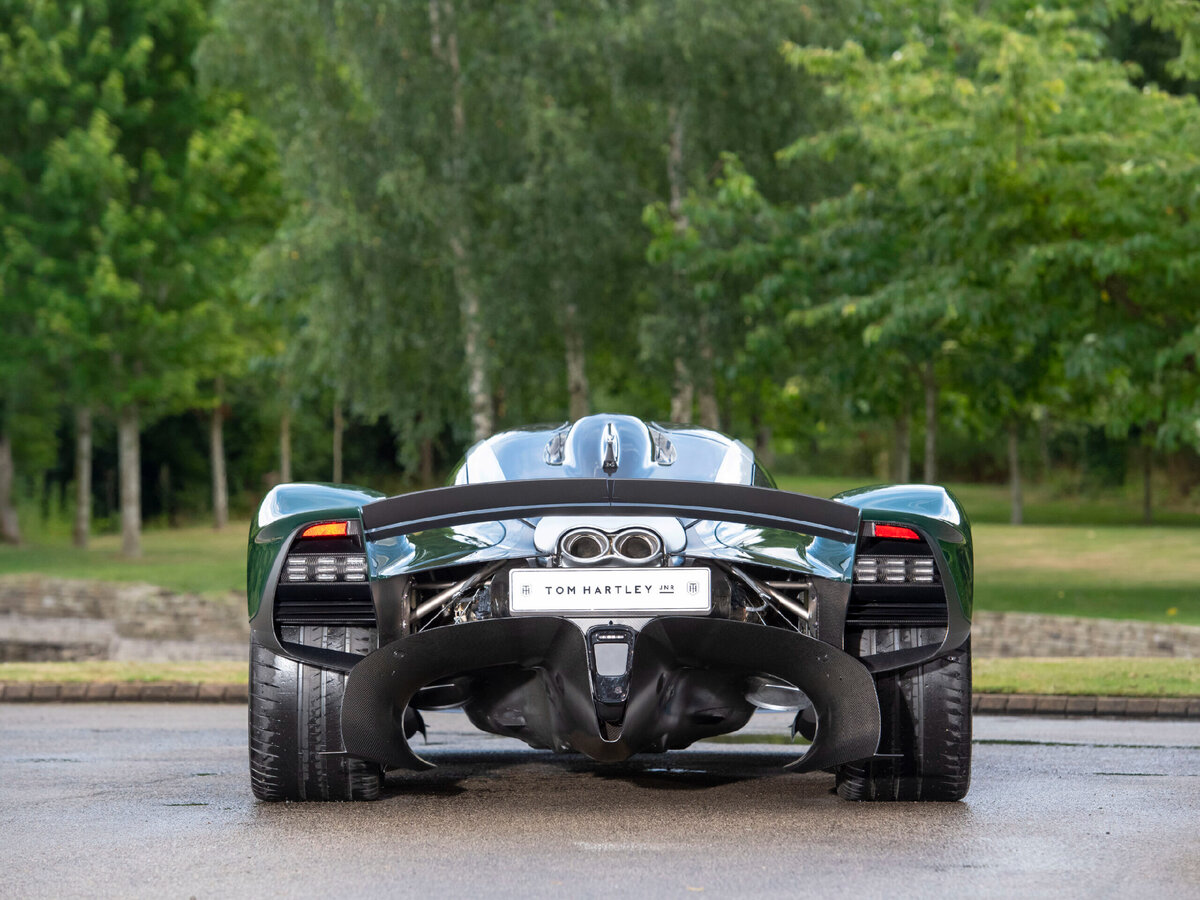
(792, 584)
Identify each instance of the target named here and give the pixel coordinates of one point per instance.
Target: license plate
(582, 591)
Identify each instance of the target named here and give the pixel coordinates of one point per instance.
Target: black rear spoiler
(499, 500)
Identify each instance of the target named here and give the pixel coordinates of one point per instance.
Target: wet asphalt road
(154, 801)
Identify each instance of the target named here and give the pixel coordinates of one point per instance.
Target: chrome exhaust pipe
(593, 547)
(638, 547)
(584, 547)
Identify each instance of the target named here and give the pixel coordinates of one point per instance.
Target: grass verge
(1152, 574)
(114, 671)
(190, 560)
(1105, 676)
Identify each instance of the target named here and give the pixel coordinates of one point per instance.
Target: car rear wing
(500, 500)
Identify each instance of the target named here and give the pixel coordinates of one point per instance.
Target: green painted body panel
(285, 508)
(935, 511)
(435, 547)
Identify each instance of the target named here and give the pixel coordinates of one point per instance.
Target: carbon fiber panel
(676, 659)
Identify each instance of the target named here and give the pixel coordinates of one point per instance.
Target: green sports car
(609, 587)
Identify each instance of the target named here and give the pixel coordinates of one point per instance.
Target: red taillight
(895, 532)
(326, 530)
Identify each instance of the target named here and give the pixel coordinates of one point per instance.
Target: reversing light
(866, 569)
(355, 568)
(326, 568)
(922, 571)
(309, 567)
(895, 532)
(326, 530)
(894, 570)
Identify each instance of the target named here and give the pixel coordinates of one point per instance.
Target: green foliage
(133, 197)
(359, 270)
(565, 109)
(715, 94)
(1023, 217)
(985, 198)
(1177, 17)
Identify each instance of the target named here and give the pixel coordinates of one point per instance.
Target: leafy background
(247, 242)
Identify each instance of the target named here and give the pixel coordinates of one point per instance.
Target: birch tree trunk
(479, 390)
(220, 484)
(762, 444)
(706, 395)
(339, 429)
(444, 42)
(129, 464)
(425, 464)
(675, 165)
(681, 399)
(706, 404)
(902, 444)
(684, 391)
(83, 477)
(10, 529)
(694, 378)
(285, 446)
(1017, 516)
(578, 390)
(578, 403)
(931, 422)
(1148, 485)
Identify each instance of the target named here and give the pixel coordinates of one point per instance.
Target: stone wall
(45, 619)
(1028, 634)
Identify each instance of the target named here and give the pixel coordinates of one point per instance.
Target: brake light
(895, 532)
(326, 530)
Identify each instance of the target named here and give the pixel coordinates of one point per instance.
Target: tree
(233, 206)
(130, 180)
(563, 222)
(25, 393)
(442, 159)
(990, 242)
(388, 121)
(60, 89)
(38, 104)
(1021, 201)
(698, 76)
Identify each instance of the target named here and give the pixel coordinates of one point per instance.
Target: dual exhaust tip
(630, 546)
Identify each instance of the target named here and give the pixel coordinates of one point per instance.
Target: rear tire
(296, 720)
(926, 722)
